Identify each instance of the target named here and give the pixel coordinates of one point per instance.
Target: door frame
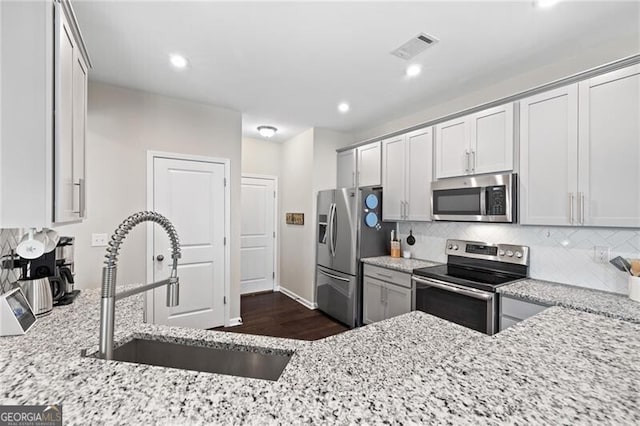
(276, 212)
(151, 156)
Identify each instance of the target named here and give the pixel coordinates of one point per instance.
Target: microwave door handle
(483, 201)
(476, 294)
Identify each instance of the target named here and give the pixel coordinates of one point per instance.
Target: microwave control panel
(496, 200)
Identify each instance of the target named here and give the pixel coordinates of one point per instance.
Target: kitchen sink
(232, 362)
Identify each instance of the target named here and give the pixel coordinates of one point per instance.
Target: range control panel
(508, 253)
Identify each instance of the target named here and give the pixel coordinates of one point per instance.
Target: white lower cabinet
(385, 299)
(513, 310)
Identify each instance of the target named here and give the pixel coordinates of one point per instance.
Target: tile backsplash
(9, 239)
(560, 254)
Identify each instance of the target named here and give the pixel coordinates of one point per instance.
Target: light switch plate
(99, 240)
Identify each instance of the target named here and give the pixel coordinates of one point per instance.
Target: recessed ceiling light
(343, 107)
(267, 131)
(544, 4)
(413, 70)
(178, 61)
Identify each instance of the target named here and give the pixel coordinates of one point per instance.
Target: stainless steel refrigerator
(349, 227)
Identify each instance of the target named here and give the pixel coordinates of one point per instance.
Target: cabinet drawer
(396, 277)
(519, 309)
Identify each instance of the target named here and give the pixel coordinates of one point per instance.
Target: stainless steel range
(464, 289)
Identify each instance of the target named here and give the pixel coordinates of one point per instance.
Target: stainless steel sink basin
(198, 358)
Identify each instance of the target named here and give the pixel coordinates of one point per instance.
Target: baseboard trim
(304, 302)
(234, 322)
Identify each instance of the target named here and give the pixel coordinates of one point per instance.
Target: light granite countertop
(398, 263)
(561, 366)
(584, 299)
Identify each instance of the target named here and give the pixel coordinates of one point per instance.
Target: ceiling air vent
(415, 46)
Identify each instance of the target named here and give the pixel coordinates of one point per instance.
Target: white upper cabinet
(548, 157)
(368, 165)
(407, 171)
(492, 140)
(43, 135)
(609, 149)
(346, 169)
(579, 153)
(419, 170)
(360, 166)
(476, 143)
(393, 178)
(452, 148)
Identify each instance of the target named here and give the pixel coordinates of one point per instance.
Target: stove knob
(509, 253)
(450, 247)
(518, 254)
(501, 252)
(455, 247)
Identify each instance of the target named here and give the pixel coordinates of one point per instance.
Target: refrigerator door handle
(332, 214)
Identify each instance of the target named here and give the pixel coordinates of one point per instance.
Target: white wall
(122, 126)
(261, 157)
(308, 165)
(297, 251)
(593, 57)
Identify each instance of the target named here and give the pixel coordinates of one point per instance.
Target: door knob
(159, 258)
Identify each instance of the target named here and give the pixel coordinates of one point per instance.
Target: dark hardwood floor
(274, 314)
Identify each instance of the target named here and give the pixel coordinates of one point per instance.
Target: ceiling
(289, 64)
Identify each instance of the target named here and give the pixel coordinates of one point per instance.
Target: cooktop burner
(480, 265)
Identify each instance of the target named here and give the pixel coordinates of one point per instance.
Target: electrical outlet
(601, 254)
(99, 240)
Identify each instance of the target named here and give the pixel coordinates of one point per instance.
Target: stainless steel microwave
(484, 198)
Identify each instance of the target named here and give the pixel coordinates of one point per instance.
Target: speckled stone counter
(399, 264)
(584, 299)
(560, 367)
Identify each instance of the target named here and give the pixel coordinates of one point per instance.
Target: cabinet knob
(159, 258)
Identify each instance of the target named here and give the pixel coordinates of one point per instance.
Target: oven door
(475, 309)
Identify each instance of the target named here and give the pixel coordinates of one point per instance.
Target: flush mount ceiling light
(178, 61)
(413, 70)
(267, 131)
(343, 107)
(545, 4)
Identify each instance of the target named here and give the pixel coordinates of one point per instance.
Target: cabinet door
(419, 174)
(346, 169)
(398, 300)
(452, 148)
(79, 133)
(393, 176)
(63, 146)
(609, 149)
(369, 165)
(548, 157)
(492, 140)
(373, 300)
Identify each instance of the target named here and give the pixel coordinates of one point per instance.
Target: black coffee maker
(58, 266)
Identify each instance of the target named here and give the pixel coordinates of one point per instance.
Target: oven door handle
(476, 294)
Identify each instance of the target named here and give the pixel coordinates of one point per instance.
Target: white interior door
(257, 235)
(191, 194)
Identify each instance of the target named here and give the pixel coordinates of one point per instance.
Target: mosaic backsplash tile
(561, 254)
(9, 239)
